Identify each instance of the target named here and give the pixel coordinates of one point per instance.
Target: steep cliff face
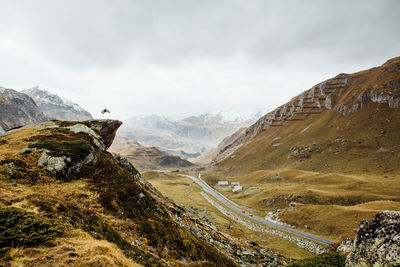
(17, 109)
(339, 98)
(56, 107)
(107, 214)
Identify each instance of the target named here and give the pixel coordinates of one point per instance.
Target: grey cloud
(92, 34)
(225, 54)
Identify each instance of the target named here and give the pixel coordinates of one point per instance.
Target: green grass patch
(70, 147)
(327, 259)
(19, 228)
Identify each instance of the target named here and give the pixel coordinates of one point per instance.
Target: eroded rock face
(382, 98)
(377, 241)
(106, 129)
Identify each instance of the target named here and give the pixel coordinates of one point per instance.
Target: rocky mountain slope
(349, 123)
(147, 158)
(187, 138)
(17, 109)
(66, 201)
(56, 107)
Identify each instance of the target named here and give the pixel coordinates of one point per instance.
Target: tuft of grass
(327, 259)
(19, 228)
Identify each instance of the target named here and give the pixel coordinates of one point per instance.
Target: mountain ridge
(340, 96)
(57, 107)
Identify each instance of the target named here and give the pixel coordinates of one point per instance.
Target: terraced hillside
(349, 124)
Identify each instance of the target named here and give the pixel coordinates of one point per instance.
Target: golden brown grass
(326, 204)
(187, 192)
(77, 249)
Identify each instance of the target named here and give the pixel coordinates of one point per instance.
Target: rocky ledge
(377, 242)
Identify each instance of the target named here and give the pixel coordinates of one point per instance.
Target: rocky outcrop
(106, 129)
(56, 107)
(388, 98)
(17, 110)
(65, 159)
(377, 242)
(63, 166)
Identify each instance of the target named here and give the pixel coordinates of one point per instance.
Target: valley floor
(186, 192)
(329, 205)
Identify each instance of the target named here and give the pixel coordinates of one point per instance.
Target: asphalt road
(237, 208)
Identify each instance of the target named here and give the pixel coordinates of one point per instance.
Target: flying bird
(105, 111)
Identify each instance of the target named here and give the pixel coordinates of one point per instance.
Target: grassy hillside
(356, 135)
(107, 215)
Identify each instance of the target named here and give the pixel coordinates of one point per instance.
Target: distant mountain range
(187, 138)
(146, 158)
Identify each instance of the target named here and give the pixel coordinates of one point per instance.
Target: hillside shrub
(19, 228)
(327, 259)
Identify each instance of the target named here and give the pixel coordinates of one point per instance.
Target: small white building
(237, 188)
(222, 183)
(235, 183)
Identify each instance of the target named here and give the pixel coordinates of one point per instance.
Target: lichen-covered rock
(63, 166)
(54, 165)
(377, 241)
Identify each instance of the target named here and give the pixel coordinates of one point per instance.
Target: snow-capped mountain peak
(57, 107)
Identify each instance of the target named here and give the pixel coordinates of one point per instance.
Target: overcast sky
(181, 58)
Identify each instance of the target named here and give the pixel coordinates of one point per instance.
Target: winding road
(237, 208)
